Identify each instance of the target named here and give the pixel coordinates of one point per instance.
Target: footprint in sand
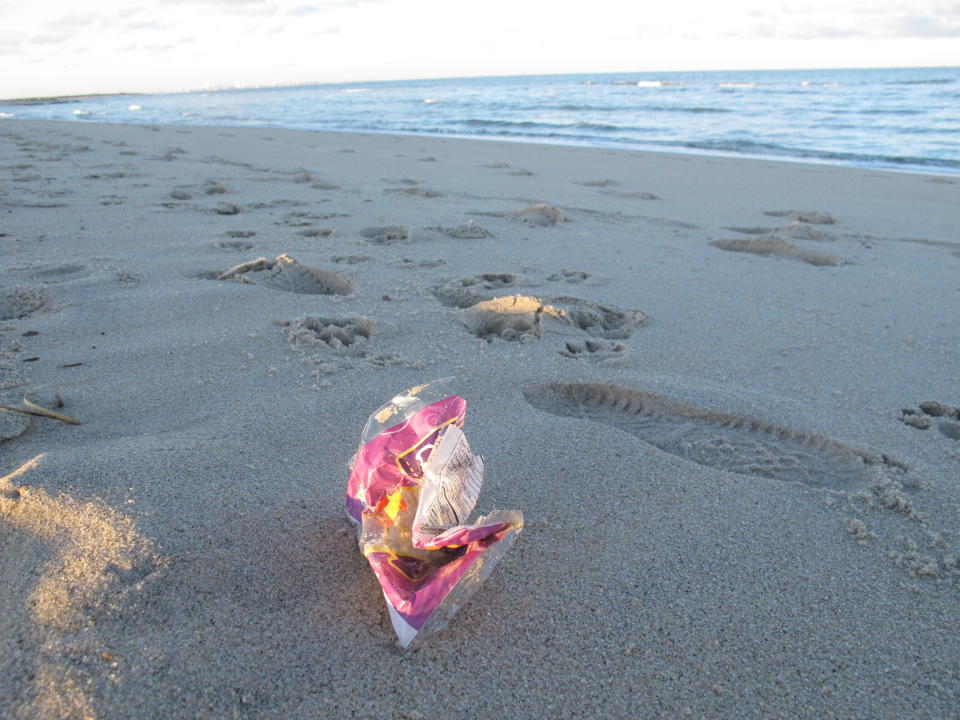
(570, 276)
(300, 218)
(332, 343)
(340, 336)
(117, 175)
(53, 274)
(599, 183)
(409, 263)
(521, 318)
(631, 195)
(777, 247)
(285, 273)
(605, 321)
(278, 203)
(814, 217)
(216, 160)
(794, 231)
(20, 301)
(232, 245)
(538, 215)
(225, 208)
(389, 234)
(212, 187)
(945, 415)
(414, 191)
(240, 233)
(38, 205)
(912, 418)
(516, 318)
(316, 232)
(593, 350)
(950, 430)
(472, 289)
(468, 231)
(715, 439)
(169, 155)
(126, 278)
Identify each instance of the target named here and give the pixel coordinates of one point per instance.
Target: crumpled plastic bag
(413, 484)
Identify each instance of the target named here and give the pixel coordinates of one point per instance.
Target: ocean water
(902, 118)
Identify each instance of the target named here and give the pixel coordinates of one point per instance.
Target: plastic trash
(413, 483)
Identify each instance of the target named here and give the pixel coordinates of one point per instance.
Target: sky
(66, 47)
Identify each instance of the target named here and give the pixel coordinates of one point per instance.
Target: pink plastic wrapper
(413, 484)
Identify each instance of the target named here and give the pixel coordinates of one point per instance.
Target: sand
(735, 503)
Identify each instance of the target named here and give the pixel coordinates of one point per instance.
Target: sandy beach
(724, 393)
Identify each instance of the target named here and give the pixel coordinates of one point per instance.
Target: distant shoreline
(293, 84)
(57, 99)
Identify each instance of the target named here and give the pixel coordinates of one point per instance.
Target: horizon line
(40, 100)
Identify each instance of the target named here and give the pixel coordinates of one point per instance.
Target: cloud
(222, 9)
(124, 13)
(890, 21)
(11, 42)
(302, 10)
(330, 5)
(239, 7)
(147, 25)
(925, 26)
(168, 46)
(74, 19)
(817, 31)
(54, 37)
(9, 8)
(224, 3)
(65, 28)
(318, 8)
(269, 6)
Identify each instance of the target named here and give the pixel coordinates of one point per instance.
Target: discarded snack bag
(413, 483)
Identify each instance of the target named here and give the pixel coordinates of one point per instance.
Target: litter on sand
(413, 483)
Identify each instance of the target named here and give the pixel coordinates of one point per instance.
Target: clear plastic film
(414, 482)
